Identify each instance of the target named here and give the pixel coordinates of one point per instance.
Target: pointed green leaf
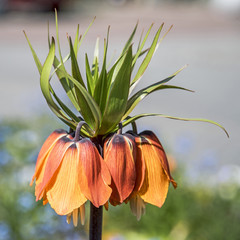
(132, 119)
(67, 86)
(95, 65)
(89, 76)
(95, 73)
(164, 36)
(141, 94)
(132, 103)
(85, 130)
(146, 60)
(36, 59)
(49, 43)
(61, 71)
(141, 46)
(63, 106)
(96, 52)
(52, 105)
(85, 33)
(57, 36)
(76, 41)
(45, 86)
(102, 84)
(117, 99)
(126, 47)
(88, 107)
(140, 40)
(129, 41)
(75, 69)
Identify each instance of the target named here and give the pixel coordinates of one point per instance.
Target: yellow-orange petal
(120, 155)
(96, 171)
(158, 149)
(64, 192)
(155, 186)
(46, 148)
(53, 161)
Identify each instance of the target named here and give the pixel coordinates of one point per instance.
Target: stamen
(69, 216)
(75, 217)
(82, 214)
(137, 206)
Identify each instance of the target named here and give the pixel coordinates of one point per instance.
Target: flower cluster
(95, 161)
(71, 170)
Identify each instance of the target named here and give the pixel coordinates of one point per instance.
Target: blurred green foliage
(191, 212)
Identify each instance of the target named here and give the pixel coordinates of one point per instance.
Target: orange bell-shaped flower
(151, 187)
(70, 172)
(157, 176)
(120, 155)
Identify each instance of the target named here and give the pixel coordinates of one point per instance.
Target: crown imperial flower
(95, 161)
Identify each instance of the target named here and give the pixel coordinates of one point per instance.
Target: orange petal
(120, 154)
(140, 165)
(46, 148)
(155, 186)
(64, 192)
(158, 149)
(53, 162)
(96, 171)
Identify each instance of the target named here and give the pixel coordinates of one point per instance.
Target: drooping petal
(96, 171)
(42, 156)
(155, 186)
(140, 165)
(120, 155)
(64, 192)
(158, 149)
(45, 201)
(53, 161)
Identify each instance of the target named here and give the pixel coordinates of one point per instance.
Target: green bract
(103, 98)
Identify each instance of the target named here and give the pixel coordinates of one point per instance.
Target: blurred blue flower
(26, 201)
(4, 231)
(4, 131)
(4, 157)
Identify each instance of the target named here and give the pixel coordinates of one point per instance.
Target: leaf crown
(104, 98)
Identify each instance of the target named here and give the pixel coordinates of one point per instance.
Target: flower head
(70, 172)
(96, 162)
(120, 157)
(157, 174)
(152, 173)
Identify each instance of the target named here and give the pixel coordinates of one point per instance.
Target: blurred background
(205, 163)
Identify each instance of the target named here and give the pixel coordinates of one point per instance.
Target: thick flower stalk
(95, 160)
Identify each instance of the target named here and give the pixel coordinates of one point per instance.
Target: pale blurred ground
(206, 38)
